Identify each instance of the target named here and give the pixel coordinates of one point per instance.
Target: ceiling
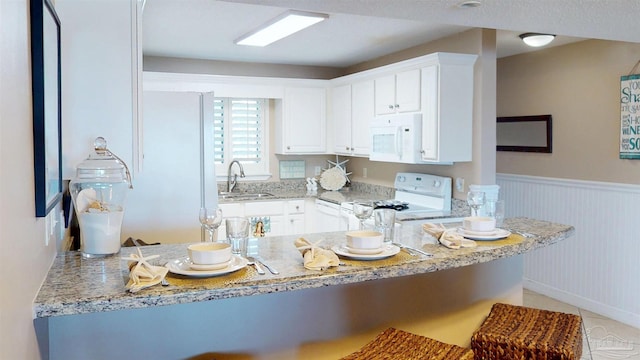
(361, 30)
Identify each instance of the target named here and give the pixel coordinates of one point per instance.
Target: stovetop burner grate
(391, 204)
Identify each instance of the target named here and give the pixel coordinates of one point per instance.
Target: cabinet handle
(422, 152)
(352, 149)
(288, 147)
(297, 207)
(346, 148)
(391, 107)
(397, 106)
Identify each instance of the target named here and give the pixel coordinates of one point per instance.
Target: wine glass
(210, 218)
(362, 209)
(475, 199)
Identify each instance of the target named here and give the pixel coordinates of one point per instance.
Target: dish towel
(315, 257)
(141, 273)
(448, 237)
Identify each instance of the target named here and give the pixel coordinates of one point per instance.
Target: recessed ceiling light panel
(284, 25)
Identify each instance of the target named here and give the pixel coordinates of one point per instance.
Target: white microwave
(396, 138)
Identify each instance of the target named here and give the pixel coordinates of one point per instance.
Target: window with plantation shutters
(239, 133)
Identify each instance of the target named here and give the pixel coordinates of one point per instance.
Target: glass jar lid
(103, 165)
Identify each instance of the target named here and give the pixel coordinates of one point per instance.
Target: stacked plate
(494, 234)
(385, 251)
(365, 245)
(184, 266)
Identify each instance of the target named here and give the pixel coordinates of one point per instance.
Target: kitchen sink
(243, 196)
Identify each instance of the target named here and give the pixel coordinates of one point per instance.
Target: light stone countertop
(78, 286)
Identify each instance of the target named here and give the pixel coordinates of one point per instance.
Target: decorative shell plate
(333, 179)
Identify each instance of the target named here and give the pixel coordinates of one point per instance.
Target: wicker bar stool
(517, 333)
(401, 345)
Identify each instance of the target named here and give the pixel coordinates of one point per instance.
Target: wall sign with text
(630, 117)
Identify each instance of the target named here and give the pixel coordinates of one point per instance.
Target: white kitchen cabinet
(447, 100)
(100, 71)
(352, 110)
(399, 92)
(286, 217)
(301, 121)
(362, 110)
(341, 117)
(295, 222)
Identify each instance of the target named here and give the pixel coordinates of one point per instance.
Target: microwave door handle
(399, 142)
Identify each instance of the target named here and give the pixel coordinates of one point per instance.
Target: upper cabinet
(341, 117)
(100, 73)
(301, 121)
(399, 92)
(352, 109)
(447, 116)
(362, 104)
(439, 86)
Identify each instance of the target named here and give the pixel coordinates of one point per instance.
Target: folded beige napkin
(141, 273)
(448, 237)
(315, 257)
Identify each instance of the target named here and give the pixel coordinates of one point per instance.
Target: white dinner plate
(182, 266)
(387, 251)
(357, 251)
(484, 235)
(205, 267)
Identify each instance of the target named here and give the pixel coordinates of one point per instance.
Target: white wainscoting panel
(597, 269)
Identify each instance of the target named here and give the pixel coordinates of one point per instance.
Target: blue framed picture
(47, 105)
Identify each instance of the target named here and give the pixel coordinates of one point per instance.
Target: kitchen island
(297, 314)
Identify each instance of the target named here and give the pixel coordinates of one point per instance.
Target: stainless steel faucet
(232, 184)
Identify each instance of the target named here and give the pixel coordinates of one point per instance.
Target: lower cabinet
(286, 217)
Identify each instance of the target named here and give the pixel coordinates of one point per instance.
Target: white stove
(422, 193)
(417, 197)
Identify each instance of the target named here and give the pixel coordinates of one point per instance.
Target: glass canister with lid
(99, 191)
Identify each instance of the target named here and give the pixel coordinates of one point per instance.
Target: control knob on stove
(401, 178)
(437, 183)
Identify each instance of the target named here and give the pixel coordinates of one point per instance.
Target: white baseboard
(583, 303)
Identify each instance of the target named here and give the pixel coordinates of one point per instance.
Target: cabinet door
(362, 113)
(106, 55)
(295, 224)
(429, 151)
(408, 91)
(385, 95)
(278, 226)
(341, 111)
(304, 121)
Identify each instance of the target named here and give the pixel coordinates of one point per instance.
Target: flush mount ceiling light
(469, 4)
(536, 39)
(282, 26)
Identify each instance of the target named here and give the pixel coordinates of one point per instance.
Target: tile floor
(603, 338)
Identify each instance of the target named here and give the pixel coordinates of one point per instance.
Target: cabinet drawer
(295, 206)
(264, 208)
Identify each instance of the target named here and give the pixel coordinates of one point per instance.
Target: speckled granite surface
(76, 286)
(295, 189)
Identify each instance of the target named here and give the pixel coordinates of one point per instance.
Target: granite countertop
(459, 208)
(75, 285)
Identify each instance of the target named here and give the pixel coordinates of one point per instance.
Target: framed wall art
(524, 133)
(47, 113)
(630, 115)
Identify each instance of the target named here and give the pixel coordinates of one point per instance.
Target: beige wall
(579, 85)
(24, 257)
